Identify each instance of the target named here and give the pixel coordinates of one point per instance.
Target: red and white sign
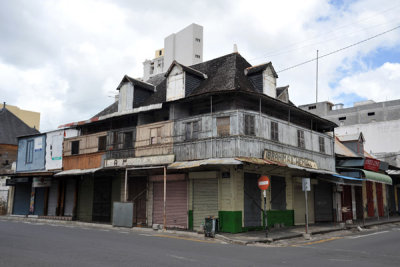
(263, 182)
(371, 164)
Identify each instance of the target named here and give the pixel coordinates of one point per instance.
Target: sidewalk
(239, 238)
(298, 231)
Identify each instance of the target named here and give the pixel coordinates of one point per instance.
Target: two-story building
(192, 143)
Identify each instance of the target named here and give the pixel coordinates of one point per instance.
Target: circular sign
(263, 182)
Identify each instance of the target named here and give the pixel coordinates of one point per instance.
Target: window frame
(190, 132)
(274, 131)
(301, 143)
(29, 151)
(72, 147)
(223, 128)
(102, 143)
(249, 125)
(321, 142)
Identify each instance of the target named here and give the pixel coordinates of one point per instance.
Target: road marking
(185, 238)
(123, 232)
(319, 241)
(104, 230)
(358, 236)
(146, 234)
(181, 258)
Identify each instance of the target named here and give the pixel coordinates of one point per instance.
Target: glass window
(29, 152)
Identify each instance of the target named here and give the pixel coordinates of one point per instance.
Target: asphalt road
(33, 244)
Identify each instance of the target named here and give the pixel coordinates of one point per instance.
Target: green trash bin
(210, 226)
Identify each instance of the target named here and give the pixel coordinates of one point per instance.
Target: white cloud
(379, 84)
(65, 58)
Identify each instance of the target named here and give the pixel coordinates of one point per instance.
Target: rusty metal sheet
(260, 161)
(76, 172)
(198, 163)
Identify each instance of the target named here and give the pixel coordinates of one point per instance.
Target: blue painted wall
(38, 159)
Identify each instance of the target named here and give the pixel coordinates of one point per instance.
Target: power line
(338, 50)
(278, 52)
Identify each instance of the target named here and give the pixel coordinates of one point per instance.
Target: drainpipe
(165, 197)
(126, 186)
(211, 112)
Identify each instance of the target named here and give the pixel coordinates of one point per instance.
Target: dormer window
(182, 81)
(176, 84)
(133, 92)
(263, 77)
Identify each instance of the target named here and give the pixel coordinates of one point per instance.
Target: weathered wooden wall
(210, 145)
(85, 161)
(87, 143)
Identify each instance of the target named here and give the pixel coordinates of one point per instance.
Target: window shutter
(195, 130)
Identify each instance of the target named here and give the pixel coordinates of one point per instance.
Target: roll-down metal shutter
(69, 197)
(205, 200)
(176, 204)
(252, 200)
(53, 198)
(323, 202)
(39, 201)
(22, 197)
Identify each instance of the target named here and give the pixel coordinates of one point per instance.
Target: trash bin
(210, 226)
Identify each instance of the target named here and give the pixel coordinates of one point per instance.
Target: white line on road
(181, 258)
(104, 230)
(146, 234)
(358, 236)
(123, 232)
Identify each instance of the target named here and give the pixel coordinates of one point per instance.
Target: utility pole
(316, 82)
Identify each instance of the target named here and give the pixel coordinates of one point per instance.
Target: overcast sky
(65, 59)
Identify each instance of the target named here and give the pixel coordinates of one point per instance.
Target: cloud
(66, 58)
(379, 84)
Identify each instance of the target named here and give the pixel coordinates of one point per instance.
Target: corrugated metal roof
(77, 172)
(198, 163)
(341, 149)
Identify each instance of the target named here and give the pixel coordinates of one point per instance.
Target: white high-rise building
(185, 46)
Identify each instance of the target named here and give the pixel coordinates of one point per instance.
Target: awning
(371, 176)
(77, 172)
(393, 172)
(197, 163)
(377, 177)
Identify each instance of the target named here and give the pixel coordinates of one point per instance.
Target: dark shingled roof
(11, 127)
(186, 69)
(258, 68)
(225, 73)
(136, 82)
(279, 90)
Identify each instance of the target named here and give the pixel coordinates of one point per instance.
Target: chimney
(4, 105)
(235, 50)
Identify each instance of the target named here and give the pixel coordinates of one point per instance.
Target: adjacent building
(10, 128)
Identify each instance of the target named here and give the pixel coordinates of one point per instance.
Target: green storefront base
(230, 221)
(190, 218)
(285, 217)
